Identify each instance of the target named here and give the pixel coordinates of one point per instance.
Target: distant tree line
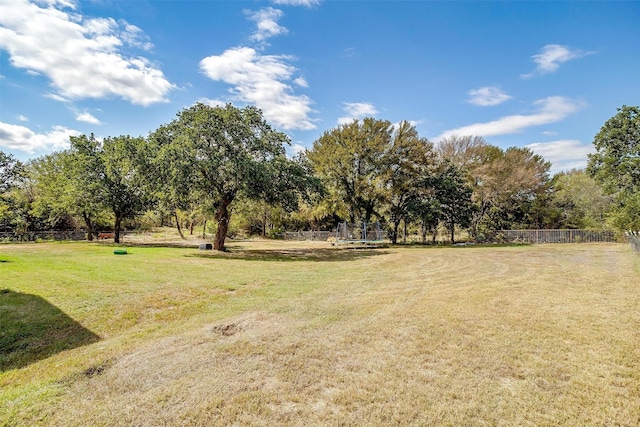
(225, 169)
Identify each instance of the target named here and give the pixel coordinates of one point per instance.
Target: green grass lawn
(290, 333)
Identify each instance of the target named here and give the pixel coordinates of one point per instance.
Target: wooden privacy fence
(557, 236)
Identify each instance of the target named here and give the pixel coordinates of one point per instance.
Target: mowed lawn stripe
(282, 333)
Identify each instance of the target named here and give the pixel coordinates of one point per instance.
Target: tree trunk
(175, 215)
(394, 235)
(264, 224)
(204, 229)
(404, 235)
(87, 221)
(116, 229)
(222, 218)
(453, 230)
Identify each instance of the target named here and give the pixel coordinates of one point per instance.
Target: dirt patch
(96, 370)
(228, 330)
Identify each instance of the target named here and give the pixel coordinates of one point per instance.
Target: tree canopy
(12, 175)
(350, 160)
(407, 162)
(616, 164)
(505, 183)
(106, 175)
(212, 155)
(453, 194)
(218, 162)
(11, 170)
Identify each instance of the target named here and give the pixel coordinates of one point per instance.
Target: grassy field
(287, 333)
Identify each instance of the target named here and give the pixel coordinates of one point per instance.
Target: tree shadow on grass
(33, 329)
(290, 255)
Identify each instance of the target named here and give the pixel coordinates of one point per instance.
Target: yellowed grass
(499, 336)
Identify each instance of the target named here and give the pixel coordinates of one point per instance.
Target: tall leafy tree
(425, 210)
(374, 170)
(168, 168)
(616, 164)
(453, 194)
(213, 155)
(124, 187)
(107, 175)
(506, 183)
(14, 200)
(11, 171)
(9, 176)
(84, 169)
(407, 162)
(580, 200)
(16, 195)
(54, 195)
(350, 161)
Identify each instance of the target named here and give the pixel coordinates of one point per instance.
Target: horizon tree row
(224, 163)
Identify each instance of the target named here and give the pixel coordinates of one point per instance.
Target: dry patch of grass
(538, 335)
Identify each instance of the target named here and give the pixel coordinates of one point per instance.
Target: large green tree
(453, 194)
(54, 195)
(407, 162)
(14, 194)
(82, 179)
(107, 174)
(579, 200)
(373, 169)
(350, 160)
(616, 165)
(9, 176)
(124, 186)
(425, 210)
(213, 155)
(11, 171)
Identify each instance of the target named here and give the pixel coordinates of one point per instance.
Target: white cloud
(307, 3)
(22, 118)
(298, 148)
(294, 149)
(262, 80)
(487, 96)
(57, 97)
(83, 57)
(300, 81)
(564, 154)
(24, 139)
(550, 110)
(356, 111)
(267, 22)
(550, 58)
(88, 118)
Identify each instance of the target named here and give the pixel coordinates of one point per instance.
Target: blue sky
(541, 74)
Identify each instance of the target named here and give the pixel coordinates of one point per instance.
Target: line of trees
(199, 164)
(228, 166)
